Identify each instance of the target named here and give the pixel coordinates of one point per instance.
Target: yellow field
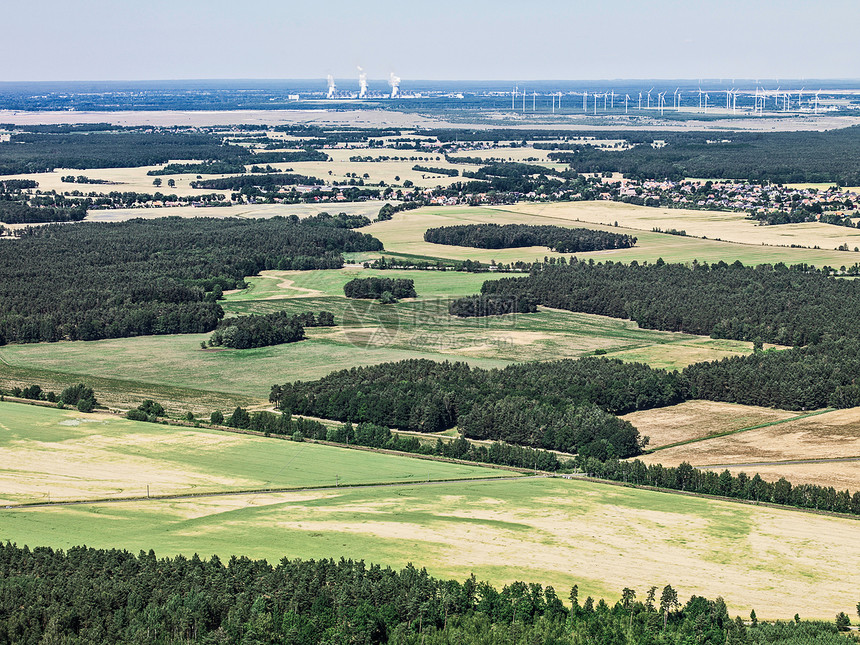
(772, 451)
(697, 419)
(715, 225)
(404, 234)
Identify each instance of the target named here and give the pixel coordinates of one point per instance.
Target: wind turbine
(816, 101)
(513, 97)
(612, 104)
(700, 98)
(585, 101)
(706, 102)
(675, 98)
(661, 101)
(640, 100)
(679, 100)
(626, 98)
(649, 98)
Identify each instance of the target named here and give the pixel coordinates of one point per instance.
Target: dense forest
(43, 151)
(566, 405)
(769, 303)
(378, 288)
(244, 332)
(780, 157)
(86, 595)
(491, 306)
(163, 276)
(21, 213)
(507, 236)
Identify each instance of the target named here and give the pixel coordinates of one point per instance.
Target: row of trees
(565, 405)
(109, 280)
(85, 595)
(245, 332)
(741, 486)
(76, 396)
(557, 238)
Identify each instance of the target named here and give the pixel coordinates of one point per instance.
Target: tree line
(507, 236)
(377, 288)
(86, 595)
(741, 486)
(450, 172)
(265, 182)
(244, 332)
(112, 280)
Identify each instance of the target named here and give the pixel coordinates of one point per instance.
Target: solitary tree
(668, 602)
(627, 596)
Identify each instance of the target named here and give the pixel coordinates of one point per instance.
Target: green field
(551, 531)
(49, 454)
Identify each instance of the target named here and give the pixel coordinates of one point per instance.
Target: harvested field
(698, 419)
(831, 435)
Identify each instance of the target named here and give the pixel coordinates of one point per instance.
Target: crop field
(366, 333)
(700, 419)
(54, 455)
(714, 225)
(405, 234)
(827, 445)
(554, 531)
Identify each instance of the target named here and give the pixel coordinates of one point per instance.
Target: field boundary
(258, 491)
(739, 430)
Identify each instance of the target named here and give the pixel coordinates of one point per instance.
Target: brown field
(831, 435)
(697, 419)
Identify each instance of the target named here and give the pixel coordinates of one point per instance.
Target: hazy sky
(431, 39)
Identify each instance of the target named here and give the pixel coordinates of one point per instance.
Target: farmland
(404, 234)
(393, 509)
(815, 449)
(54, 455)
(366, 333)
(561, 532)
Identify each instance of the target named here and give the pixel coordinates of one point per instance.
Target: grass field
(552, 531)
(404, 234)
(773, 450)
(52, 455)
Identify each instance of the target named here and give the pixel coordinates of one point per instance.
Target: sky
(46, 40)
